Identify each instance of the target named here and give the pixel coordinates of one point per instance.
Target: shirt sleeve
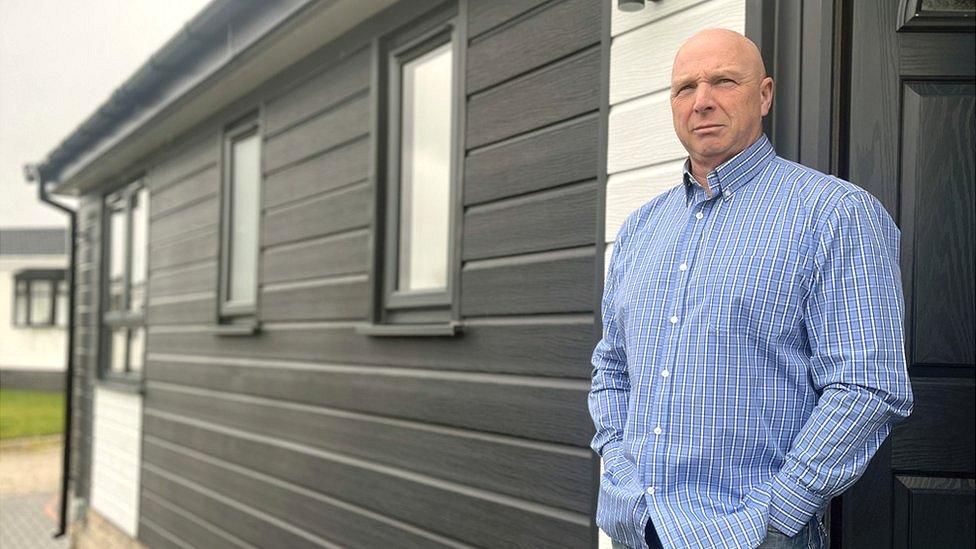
(610, 387)
(853, 318)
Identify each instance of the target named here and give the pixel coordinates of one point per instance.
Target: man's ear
(766, 95)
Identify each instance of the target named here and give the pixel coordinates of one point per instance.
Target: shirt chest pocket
(761, 294)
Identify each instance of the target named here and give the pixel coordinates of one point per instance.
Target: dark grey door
(911, 143)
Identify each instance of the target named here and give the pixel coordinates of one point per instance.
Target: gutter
(33, 175)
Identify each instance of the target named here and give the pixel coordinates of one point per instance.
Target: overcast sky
(60, 60)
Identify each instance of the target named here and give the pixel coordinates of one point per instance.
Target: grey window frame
(419, 312)
(54, 278)
(235, 313)
(125, 318)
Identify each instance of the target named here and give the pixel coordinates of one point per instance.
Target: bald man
(752, 356)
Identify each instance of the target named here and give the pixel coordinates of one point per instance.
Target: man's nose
(703, 98)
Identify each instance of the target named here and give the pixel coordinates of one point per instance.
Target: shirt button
(665, 373)
(683, 267)
(699, 215)
(657, 431)
(674, 320)
(650, 490)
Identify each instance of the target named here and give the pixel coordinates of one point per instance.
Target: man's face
(718, 97)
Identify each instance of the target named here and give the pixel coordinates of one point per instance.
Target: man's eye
(725, 81)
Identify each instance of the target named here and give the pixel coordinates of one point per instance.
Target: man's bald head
(707, 41)
(719, 95)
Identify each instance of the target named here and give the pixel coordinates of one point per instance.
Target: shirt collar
(734, 172)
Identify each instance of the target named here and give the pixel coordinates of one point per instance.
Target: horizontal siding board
(157, 538)
(323, 517)
(545, 159)
(191, 249)
(555, 413)
(558, 218)
(202, 310)
(532, 41)
(483, 16)
(342, 210)
(640, 61)
(532, 347)
(193, 189)
(556, 92)
(174, 520)
(641, 133)
(329, 170)
(215, 509)
(454, 514)
(343, 123)
(327, 301)
(193, 218)
(320, 92)
(545, 283)
(198, 278)
(192, 157)
(529, 472)
(336, 255)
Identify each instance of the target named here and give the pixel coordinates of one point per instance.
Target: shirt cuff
(791, 505)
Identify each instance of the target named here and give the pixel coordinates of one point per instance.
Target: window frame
(229, 312)
(109, 321)
(53, 278)
(418, 312)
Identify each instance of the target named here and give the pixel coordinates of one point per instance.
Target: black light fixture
(630, 5)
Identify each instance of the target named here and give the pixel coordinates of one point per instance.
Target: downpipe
(33, 174)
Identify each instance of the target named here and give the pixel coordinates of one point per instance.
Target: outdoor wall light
(630, 5)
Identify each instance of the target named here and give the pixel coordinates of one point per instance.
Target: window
(422, 128)
(124, 248)
(40, 298)
(240, 221)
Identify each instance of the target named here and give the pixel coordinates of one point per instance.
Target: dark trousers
(650, 536)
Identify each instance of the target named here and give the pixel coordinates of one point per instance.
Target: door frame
(806, 47)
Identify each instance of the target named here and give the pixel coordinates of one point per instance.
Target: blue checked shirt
(752, 358)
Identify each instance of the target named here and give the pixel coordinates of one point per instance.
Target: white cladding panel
(628, 190)
(28, 347)
(116, 451)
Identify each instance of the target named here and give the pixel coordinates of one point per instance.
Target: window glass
(125, 280)
(137, 348)
(425, 170)
(116, 259)
(20, 303)
(140, 228)
(245, 193)
(40, 295)
(118, 341)
(949, 5)
(62, 304)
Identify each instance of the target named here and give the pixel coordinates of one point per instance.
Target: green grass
(30, 413)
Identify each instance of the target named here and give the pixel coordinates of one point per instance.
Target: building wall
(644, 156)
(310, 433)
(34, 348)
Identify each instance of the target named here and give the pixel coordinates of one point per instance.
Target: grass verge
(30, 413)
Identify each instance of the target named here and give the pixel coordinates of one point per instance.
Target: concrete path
(30, 477)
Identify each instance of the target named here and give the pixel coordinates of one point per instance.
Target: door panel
(911, 143)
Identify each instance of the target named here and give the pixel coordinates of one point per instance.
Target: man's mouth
(706, 127)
